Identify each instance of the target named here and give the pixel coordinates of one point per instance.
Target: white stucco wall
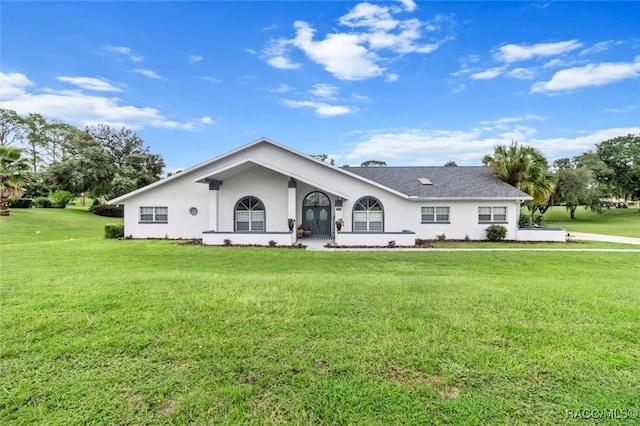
(463, 215)
(178, 196)
(542, 234)
(266, 185)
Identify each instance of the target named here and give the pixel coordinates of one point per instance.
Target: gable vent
(425, 181)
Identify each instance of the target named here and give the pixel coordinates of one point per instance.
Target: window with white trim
(431, 214)
(154, 214)
(492, 214)
(368, 215)
(250, 215)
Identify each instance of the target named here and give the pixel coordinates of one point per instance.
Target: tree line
(103, 163)
(99, 161)
(588, 179)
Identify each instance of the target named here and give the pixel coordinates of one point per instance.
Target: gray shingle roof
(446, 182)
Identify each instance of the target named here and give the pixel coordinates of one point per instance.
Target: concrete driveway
(573, 236)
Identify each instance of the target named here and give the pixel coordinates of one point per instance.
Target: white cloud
(405, 41)
(591, 75)
(126, 51)
(623, 110)
(522, 52)
(508, 120)
(467, 147)
(375, 37)
(212, 79)
(148, 73)
(251, 51)
(90, 83)
(360, 98)
(323, 90)
(421, 146)
(13, 84)
(340, 53)
(370, 16)
(487, 74)
(409, 5)
(600, 47)
(283, 63)
(391, 77)
(282, 88)
(195, 58)
(74, 106)
(556, 63)
(522, 73)
(277, 52)
(322, 109)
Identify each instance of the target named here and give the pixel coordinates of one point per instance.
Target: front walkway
(315, 242)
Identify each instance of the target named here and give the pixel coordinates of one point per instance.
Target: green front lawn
(623, 222)
(40, 225)
(152, 332)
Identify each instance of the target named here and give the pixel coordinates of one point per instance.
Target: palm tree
(525, 168)
(13, 171)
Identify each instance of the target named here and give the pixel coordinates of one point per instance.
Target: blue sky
(400, 81)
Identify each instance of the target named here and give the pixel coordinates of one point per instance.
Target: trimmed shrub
(60, 198)
(20, 203)
(42, 203)
(114, 231)
(496, 233)
(107, 210)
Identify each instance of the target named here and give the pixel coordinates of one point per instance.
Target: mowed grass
(623, 222)
(151, 332)
(39, 225)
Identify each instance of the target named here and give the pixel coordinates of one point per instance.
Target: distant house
(249, 194)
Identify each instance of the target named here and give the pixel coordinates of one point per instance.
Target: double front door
(316, 213)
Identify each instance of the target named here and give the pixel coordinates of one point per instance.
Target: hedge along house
(248, 195)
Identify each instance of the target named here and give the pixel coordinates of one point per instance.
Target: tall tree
(622, 156)
(12, 127)
(325, 158)
(574, 187)
(450, 163)
(373, 163)
(134, 165)
(13, 172)
(86, 167)
(525, 168)
(603, 175)
(59, 137)
(36, 138)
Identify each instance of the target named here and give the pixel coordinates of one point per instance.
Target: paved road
(606, 238)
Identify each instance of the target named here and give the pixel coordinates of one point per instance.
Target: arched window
(367, 215)
(250, 215)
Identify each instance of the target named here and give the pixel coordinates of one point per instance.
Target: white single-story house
(249, 195)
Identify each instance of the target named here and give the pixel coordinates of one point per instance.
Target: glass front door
(316, 213)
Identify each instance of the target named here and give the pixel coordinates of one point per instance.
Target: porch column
(293, 185)
(214, 190)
